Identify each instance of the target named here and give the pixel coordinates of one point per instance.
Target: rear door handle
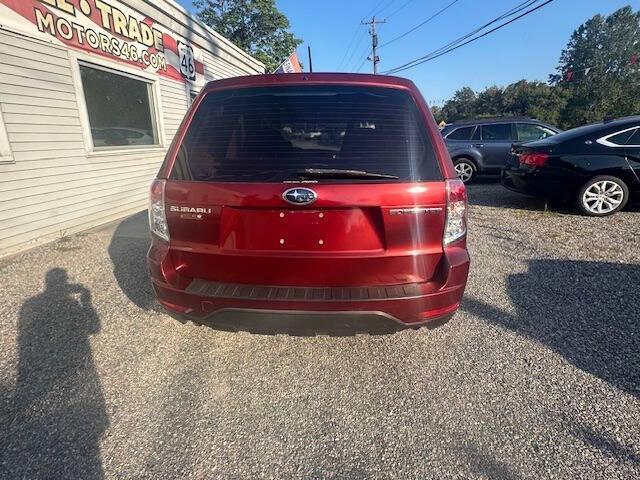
(478, 144)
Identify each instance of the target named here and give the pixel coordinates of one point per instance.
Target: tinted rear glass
(635, 138)
(272, 133)
(621, 138)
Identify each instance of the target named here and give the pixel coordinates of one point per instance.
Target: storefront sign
(110, 29)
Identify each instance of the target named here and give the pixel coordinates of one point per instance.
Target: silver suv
(484, 146)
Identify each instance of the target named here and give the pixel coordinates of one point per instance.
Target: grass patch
(70, 248)
(559, 237)
(63, 243)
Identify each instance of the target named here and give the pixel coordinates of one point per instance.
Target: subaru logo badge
(299, 196)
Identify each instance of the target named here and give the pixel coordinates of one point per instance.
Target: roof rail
(494, 119)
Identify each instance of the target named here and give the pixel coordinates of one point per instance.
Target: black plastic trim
(319, 294)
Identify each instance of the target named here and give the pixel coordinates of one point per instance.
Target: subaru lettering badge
(300, 196)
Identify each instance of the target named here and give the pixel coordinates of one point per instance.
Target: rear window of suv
(270, 134)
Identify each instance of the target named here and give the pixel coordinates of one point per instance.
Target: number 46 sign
(187, 62)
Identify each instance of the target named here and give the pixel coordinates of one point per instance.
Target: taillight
(456, 224)
(157, 218)
(534, 159)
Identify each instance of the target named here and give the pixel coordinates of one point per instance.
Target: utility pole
(374, 41)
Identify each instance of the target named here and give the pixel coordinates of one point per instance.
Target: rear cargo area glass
(271, 134)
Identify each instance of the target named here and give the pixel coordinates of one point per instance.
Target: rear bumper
(543, 183)
(411, 304)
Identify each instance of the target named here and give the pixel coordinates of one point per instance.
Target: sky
(528, 49)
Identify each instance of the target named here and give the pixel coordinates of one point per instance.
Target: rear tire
(602, 196)
(465, 169)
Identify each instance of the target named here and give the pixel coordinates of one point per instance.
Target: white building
(91, 94)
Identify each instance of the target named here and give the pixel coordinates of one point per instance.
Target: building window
(120, 107)
(5, 148)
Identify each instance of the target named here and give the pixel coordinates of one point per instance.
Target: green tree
(534, 99)
(520, 99)
(490, 102)
(597, 69)
(256, 26)
(461, 106)
(437, 113)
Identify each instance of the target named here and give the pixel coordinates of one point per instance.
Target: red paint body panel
(353, 235)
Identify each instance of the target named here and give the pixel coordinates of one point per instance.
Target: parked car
(372, 222)
(484, 146)
(596, 166)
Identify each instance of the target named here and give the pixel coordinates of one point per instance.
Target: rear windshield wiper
(340, 173)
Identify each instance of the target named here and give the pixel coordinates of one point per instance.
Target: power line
(374, 38)
(420, 24)
(460, 41)
(456, 43)
(351, 44)
(399, 9)
(379, 12)
(374, 9)
(349, 53)
(364, 59)
(355, 34)
(356, 49)
(517, 9)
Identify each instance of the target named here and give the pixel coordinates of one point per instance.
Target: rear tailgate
(380, 234)
(245, 147)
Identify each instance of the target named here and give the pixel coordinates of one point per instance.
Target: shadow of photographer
(58, 413)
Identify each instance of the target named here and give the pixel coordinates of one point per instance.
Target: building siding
(55, 187)
(175, 102)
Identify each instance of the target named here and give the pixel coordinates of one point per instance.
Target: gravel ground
(538, 375)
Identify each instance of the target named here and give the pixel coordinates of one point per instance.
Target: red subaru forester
(326, 194)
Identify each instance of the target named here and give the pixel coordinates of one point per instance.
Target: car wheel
(465, 169)
(602, 196)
